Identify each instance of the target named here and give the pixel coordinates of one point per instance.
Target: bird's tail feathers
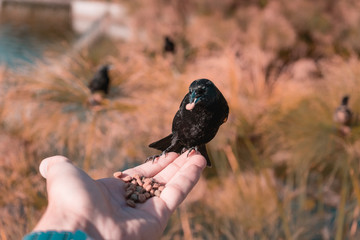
(202, 150)
(163, 143)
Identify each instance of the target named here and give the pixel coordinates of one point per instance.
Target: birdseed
(139, 188)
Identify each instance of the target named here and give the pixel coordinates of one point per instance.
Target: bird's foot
(154, 157)
(95, 99)
(183, 150)
(191, 149)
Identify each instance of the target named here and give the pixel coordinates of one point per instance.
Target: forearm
(57, 220)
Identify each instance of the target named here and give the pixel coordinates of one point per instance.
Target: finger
(62, 176)
(49, 163)
(167, 173)
(150, 169)
(183, 181)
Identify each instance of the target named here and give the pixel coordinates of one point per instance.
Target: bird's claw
(191, 149)
(183, 150)
(154, 157)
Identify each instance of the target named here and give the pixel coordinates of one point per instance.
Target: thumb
(50, 162)
(64, 181)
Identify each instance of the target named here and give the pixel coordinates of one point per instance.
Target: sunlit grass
(19, 179)
(282, 169)
(52, 105)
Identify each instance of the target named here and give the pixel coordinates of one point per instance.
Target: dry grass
(24, 190)
(282, 169)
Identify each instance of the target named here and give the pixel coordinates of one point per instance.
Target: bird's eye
(201, 90)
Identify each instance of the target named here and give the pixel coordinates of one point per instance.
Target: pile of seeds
(139, 188)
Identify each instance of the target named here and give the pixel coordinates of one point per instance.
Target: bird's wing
(202, 150)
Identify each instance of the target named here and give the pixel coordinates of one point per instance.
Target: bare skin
(98, 207)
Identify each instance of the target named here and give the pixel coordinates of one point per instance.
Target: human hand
(98, 207)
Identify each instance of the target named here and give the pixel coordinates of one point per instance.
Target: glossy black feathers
(197, 121)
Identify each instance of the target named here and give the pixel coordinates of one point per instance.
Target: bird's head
(105, 68)
(201, 90)
(167, 39)
(345, 100)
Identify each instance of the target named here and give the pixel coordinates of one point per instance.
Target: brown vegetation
(282, 169)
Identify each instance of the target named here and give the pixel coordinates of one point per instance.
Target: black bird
(342, 113)
(101, 80)
(169, 45)
(197, 121)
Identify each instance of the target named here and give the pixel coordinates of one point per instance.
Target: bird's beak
(193, 98)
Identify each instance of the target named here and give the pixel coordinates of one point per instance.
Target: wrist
(60, 220)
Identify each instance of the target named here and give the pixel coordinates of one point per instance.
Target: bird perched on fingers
(101, 80)
(343, 113)
(202, 111)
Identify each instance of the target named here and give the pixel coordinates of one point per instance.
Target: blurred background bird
(343, 113)
(343, 116)
(169, 45)
(99, 84)
(101, 80)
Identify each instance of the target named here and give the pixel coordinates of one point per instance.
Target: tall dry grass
(282, 169)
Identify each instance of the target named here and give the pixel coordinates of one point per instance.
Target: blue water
(28, 33)
(18, 46)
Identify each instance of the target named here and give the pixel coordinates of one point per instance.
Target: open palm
(99, 208)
